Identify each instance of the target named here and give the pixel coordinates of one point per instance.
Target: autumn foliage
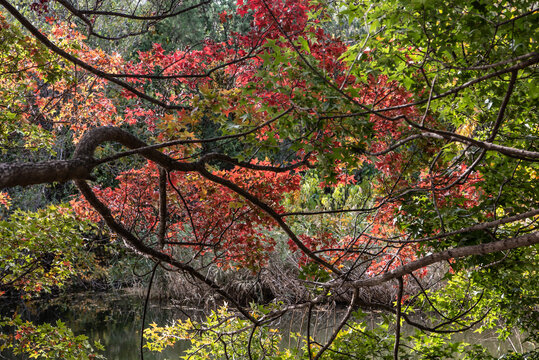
(262, 66)
(360, 152)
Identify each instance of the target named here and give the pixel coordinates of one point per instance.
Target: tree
(391, 161)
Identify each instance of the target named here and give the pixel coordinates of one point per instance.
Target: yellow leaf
(168, 117)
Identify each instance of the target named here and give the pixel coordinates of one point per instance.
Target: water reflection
(114, 320)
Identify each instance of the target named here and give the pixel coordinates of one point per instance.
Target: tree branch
(481, 249)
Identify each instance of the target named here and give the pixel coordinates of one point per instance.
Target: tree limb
(481, 249)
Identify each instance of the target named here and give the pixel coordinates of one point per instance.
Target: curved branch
(503, 106)
(409, 321)
(481, 226)
(95, 137)
(534, 59)
(398, 320)
(391, 148)
(14, 174)
(481, 249)
(506, 150)
(142, 248)
(268, 210)
(488, 66)
(145, 310)
(142, 149)
(339, 327)
(163, 16)
(90, 24)
(49, 44)
(23, 174)
(162, 230)
(247, 165)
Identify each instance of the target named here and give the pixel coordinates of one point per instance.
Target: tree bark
(82, 164)
(23, 174)
(481, 249)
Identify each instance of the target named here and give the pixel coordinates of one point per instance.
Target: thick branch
(140, 150)
(13, 174)
(506, 150)
(95, 137)
(481, 249)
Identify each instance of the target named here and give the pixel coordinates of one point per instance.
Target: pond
(115, 320)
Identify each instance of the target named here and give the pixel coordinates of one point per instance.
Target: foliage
(19, 52)
(192, 28)
(41, 250)
(223, 335)
(365, 159)
(226, 338)
(515, 287)
(46, 341)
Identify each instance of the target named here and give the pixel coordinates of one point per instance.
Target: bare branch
(162, 16)
(339, 327)
(398, 320)
(162, 231)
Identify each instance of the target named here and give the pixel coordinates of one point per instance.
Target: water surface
(116, 319)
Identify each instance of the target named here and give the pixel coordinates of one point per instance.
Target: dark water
(116, 319)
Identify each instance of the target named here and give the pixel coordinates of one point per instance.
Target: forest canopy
(379, 155)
